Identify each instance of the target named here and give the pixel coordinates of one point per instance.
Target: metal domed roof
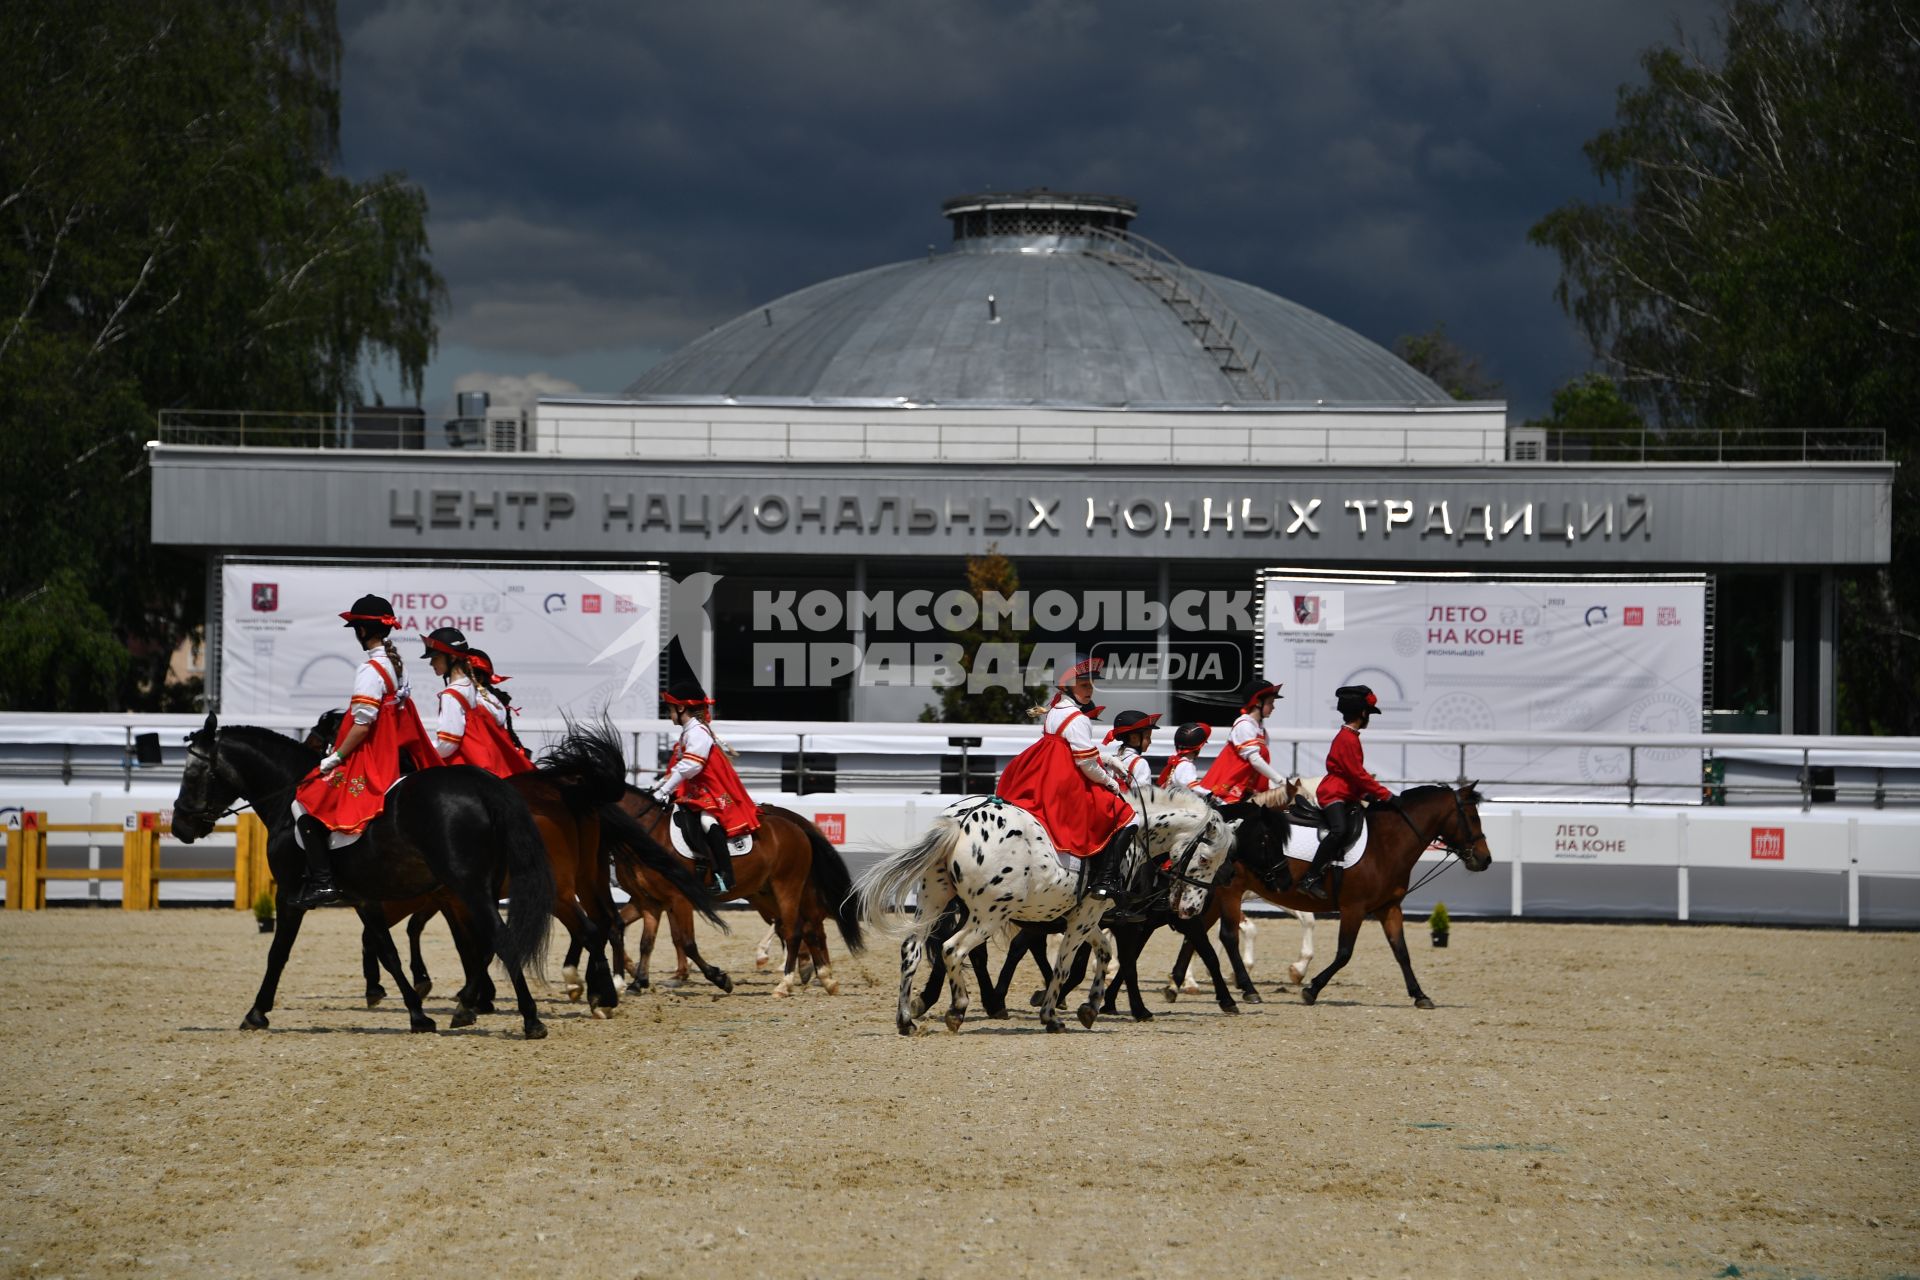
(1045, 300)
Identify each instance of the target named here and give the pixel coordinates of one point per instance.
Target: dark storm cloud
(625, 176)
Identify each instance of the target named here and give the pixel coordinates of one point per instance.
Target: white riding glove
(663, 797)
(331, 761)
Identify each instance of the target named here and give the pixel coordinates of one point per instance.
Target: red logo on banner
(589, 604)
(1770, 843)
(832, 825)
(266, 597)
(1635, 616)
(1306, 610)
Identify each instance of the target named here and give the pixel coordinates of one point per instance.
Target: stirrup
(1314, 885)
(316, 894)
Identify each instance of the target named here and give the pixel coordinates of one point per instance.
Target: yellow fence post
(259, 873)
(243, 894)
(139, 859)
(15, 839)
(33, 861)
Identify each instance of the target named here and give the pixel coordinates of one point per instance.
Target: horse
(457, 829)
(571, 796)
(1398, 832)
(791, 874)
(1260, 838)
(1001, 865)
(1237, 931)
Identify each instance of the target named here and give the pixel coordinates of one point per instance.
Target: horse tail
(523, 943)
(831, 879)
(883, 887)
(587, 766)
(623, 836)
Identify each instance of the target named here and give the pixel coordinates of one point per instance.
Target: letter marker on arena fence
(140, 866)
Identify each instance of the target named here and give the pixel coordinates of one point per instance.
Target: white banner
(1457, 657)
(572, 642)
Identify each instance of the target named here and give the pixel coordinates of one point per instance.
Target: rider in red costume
(1346, 784)
(1245, 768)
(1182, 768)
(351, 787)
(714, 804)
(1133, 730)
(473, 727)
(1061, 782)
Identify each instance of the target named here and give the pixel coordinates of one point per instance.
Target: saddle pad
(1358, 847)
(740, 846)
(340, 839)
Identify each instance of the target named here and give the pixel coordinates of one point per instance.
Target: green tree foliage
(1591, 419)
(989, 572)
(1759, 269)
(1447, 363)
(172, 236)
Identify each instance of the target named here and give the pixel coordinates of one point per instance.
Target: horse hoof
(761, 962)
(485, 1006)
(998, 1015)
(1171, 993)
(423, 986)
(574, 993)
(464, 1017)
(1228, 1006)
(832, 986)
(600, 1012)
(1087, 1013)
(1251, 997)
(1056, 1025)
(1423, 1003)
(536, 1031)
(374, 996)
(720, 979)
(904, 1028)
(782, 992)
(1037, 999)
(1308, 995)
(421, 1025)
(953, 1022)
(254, 1021)
(916, 1008)
(1143, 1015)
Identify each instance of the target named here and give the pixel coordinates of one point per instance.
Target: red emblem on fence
(1770, 843)
(832, 825)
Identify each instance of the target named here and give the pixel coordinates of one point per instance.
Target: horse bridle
(1452, 847)
(212, 759)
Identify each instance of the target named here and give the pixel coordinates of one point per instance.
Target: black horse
(457, 829)
(1261, 834)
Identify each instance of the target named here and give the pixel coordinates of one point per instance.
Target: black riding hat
(377, 610)
(448, 640)
(686, 691)
(1255, 690)
(1191, 736)
(1352, 700)
(1131, 722)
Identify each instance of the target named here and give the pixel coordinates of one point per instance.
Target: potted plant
(1440, 923)
(263, 910)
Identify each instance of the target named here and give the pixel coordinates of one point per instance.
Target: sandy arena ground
(1586, 1101)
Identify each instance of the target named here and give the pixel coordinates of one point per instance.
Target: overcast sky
(609, 180)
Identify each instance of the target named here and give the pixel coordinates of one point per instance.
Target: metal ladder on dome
(1212, 322)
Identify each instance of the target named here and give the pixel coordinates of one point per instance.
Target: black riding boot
(1104, 875)
(1330, 848)
(316, 887)
(722, 859)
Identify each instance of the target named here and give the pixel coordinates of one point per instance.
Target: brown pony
(792, 875)
(1398, 832)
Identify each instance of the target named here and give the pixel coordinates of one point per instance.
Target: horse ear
(213, 723)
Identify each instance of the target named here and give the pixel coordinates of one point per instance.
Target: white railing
(96, 750)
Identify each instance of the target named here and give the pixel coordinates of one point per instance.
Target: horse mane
(1271, 798)
(1177, 798)
(1432, 789)
(589, 748)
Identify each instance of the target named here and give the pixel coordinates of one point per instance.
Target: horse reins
(1450, 847)
(211, 759)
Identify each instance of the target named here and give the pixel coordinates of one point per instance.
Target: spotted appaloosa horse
(998, 861)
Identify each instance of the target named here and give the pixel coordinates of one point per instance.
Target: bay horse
(1000, 863)
(792, 875)
(1398, 832)
(458, 829)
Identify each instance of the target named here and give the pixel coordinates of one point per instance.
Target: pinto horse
(1398, 832)
(792, 875)
(1001, 865)
(460, 831)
